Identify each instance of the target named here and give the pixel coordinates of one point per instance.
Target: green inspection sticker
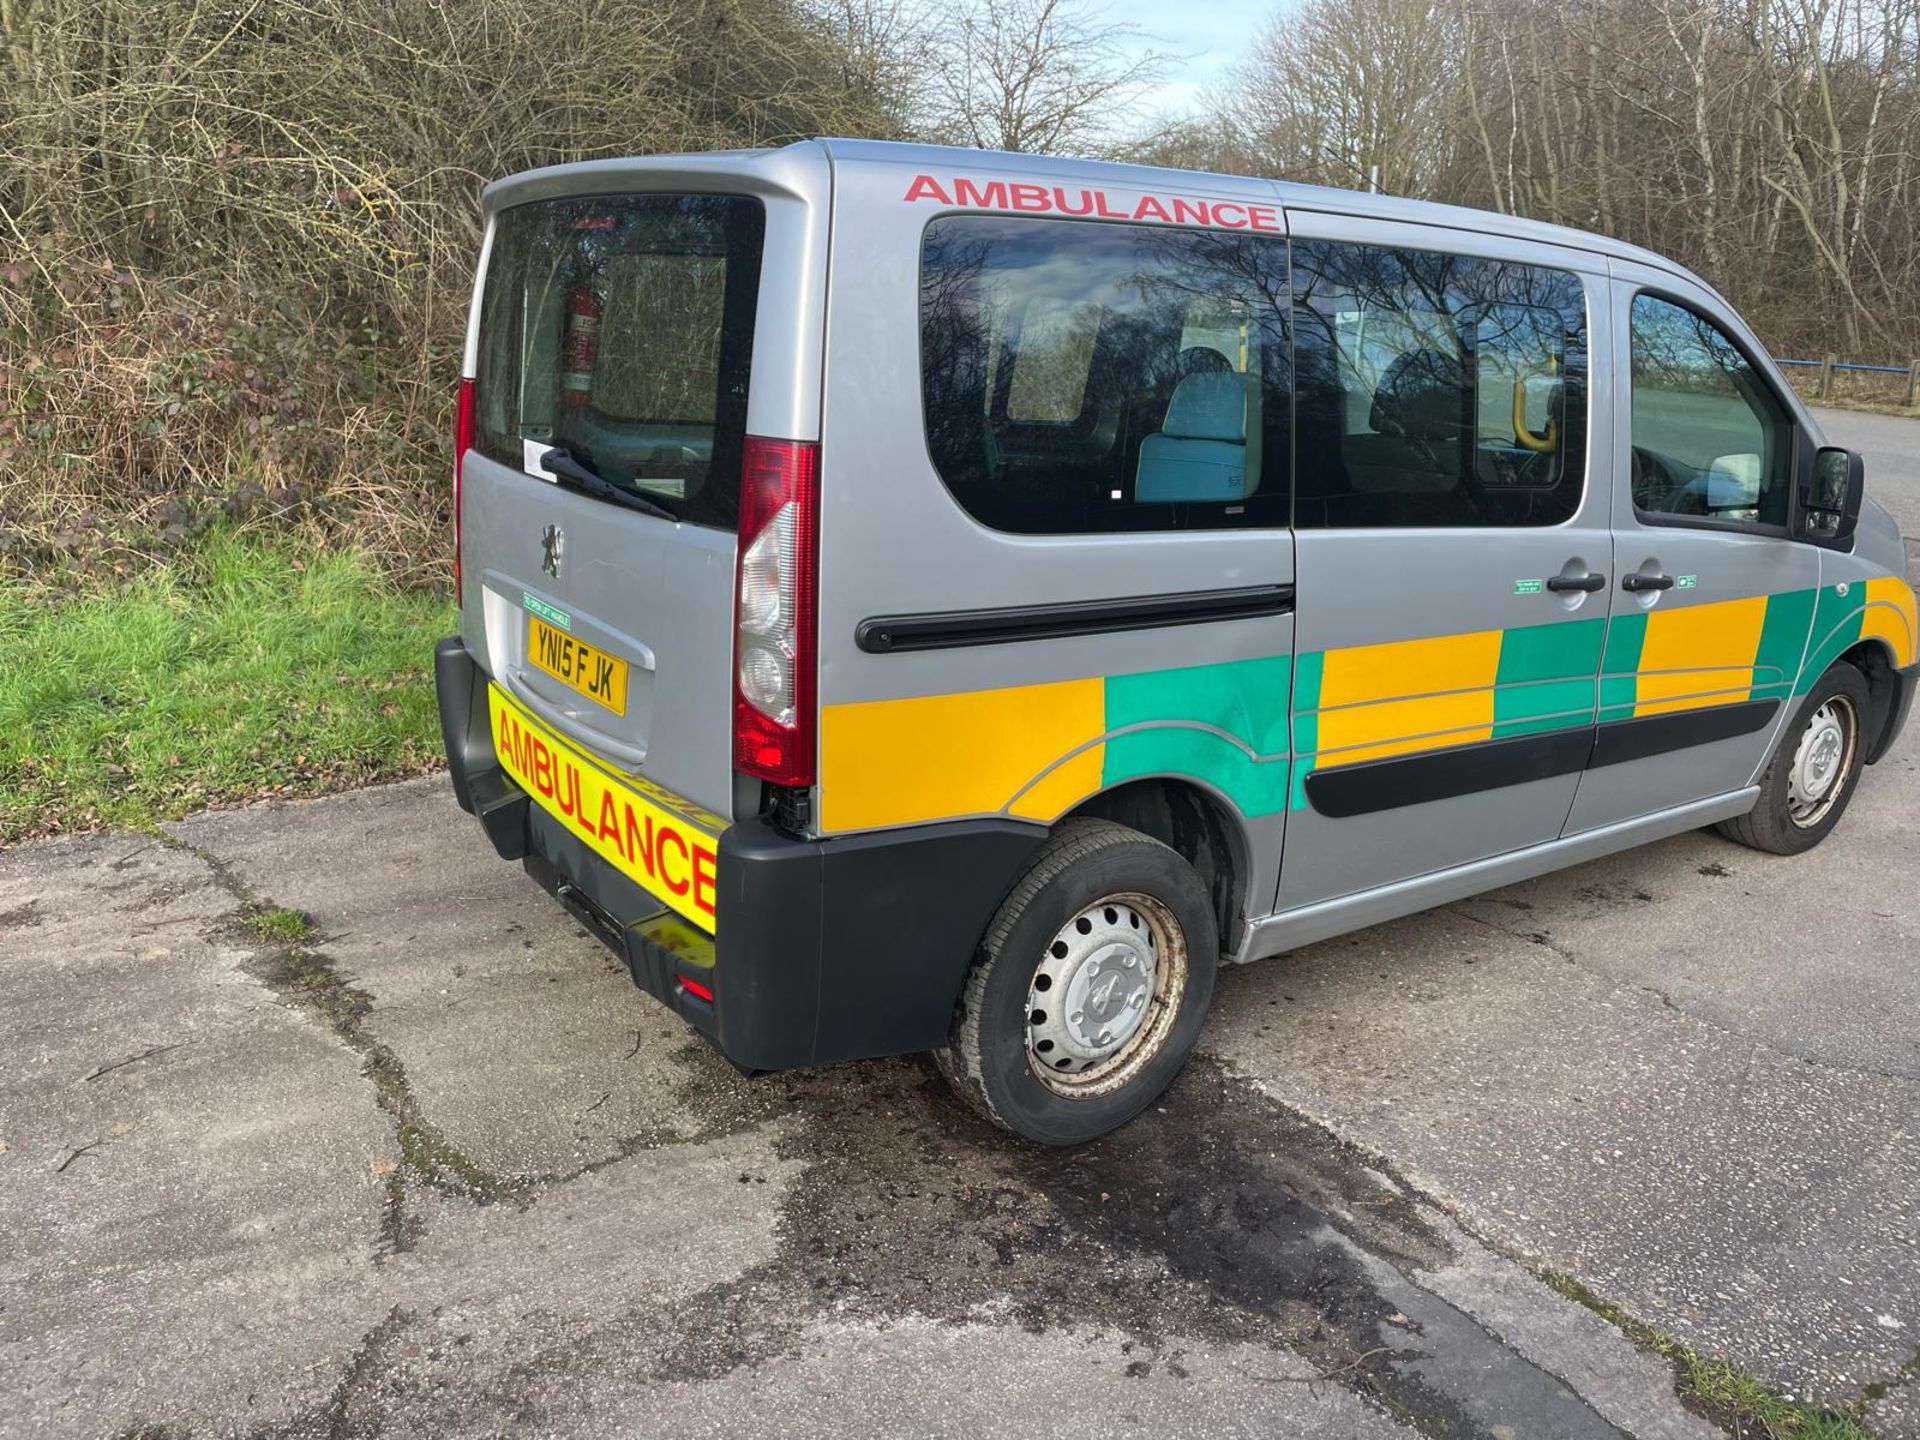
(1526, 587)
(552, 614)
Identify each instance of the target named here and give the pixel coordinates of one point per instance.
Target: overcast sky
(1211, 33)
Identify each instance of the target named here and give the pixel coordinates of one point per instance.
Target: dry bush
(236, 238)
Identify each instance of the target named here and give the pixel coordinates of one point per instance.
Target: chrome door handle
(1588, 583)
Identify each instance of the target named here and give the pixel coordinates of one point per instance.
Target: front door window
(1711, 441)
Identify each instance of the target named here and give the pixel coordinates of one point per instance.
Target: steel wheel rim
(1104, 995)
(1822, 761)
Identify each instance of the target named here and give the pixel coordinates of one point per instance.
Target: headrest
(1208, 406)
(1203, 360)
(1419, 397)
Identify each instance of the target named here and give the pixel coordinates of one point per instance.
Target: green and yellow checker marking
(1035, 751)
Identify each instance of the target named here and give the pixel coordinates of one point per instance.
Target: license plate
(665, 844)
(597, 675)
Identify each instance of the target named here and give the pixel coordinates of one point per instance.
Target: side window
(1435, 389)
(1081, 377)
(1711, 440)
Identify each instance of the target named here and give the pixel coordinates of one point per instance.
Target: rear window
(620, 328)
(1079, 377)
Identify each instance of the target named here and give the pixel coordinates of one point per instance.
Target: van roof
(773, 167)
(1290, 193)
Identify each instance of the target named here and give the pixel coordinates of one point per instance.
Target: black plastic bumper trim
(462, 689)
(858, 945)
(954, 629)
(823, 950)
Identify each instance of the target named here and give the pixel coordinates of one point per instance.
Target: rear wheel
(1806, 786)
(1089, 989)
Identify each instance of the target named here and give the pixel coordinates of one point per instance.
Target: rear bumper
(1905, 682)
(826, 950)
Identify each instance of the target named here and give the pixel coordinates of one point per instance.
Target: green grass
(259, 668)
(1736, 1401)
(278, 923)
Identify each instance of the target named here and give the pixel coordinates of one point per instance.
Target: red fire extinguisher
(582, 347)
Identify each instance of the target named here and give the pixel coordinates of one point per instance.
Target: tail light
(462, 442)
(775, 649)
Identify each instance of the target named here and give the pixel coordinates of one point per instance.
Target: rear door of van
(634, 323)
(1055, 559)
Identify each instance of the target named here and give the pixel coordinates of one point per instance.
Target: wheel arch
(1874, 659)
(1198, 823)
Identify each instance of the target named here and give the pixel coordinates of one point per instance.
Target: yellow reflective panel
(660, 847)
(894, 762)
(1699, 655)
(1406, 695)
(1891, 617)
(1062, 787)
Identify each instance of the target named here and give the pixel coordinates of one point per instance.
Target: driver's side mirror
(1830, 497)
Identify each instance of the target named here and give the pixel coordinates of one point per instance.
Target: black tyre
(1089, 988)
(1806, 786)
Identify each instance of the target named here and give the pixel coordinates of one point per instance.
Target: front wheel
(1089, 988)
(1806, 786)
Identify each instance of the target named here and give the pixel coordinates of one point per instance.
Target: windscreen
(620, 329)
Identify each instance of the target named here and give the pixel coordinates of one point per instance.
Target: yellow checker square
(1406, 695)
(1699, 655)
(893, 762)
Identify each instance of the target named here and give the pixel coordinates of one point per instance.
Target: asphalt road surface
(438, 1168)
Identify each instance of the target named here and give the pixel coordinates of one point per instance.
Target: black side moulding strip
(953, 629)
(1376, 785)
(1619, 741)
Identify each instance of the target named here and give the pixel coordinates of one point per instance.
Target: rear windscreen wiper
(562, 464)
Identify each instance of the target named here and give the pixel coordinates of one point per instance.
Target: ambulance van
(931, 600)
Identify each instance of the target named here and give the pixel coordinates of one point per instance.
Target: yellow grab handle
(1540, 444)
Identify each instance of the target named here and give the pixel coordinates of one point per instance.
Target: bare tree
(881, 49)
(1774, 145)
(1350, 92)
(1036, 75)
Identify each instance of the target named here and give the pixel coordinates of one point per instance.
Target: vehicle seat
(1200, 450)
(1419, 397)
(1415, 419)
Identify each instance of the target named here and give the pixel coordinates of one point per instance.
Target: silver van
(931, 600)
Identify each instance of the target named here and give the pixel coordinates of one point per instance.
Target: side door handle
(1588, 583)
(1637, 581)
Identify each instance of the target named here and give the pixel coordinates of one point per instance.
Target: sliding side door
(1452, 548)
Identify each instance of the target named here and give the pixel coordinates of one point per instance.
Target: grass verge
(255, 668)
(1730, 1397)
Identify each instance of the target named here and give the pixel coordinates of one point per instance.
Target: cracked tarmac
(438, 1168)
